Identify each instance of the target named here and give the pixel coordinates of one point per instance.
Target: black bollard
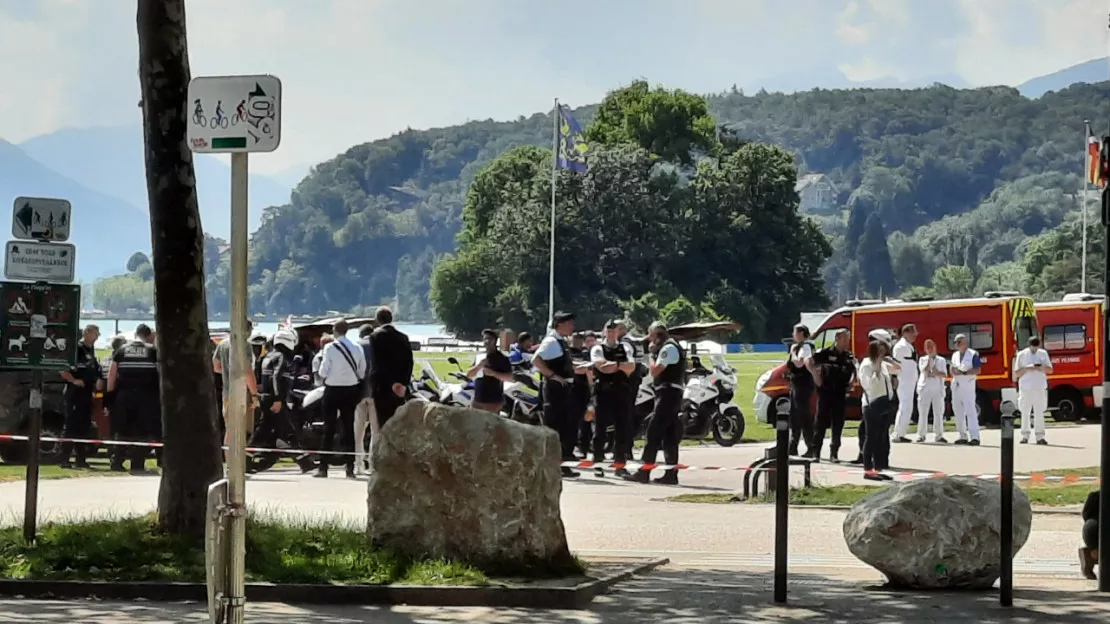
(1006, 552)
(782, 496)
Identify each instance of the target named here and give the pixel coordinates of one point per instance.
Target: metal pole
(237, 394)
(1083, 204)
(1104, 468)
(554, 170)
(1006, 551)
(31, 489)
(782, 497)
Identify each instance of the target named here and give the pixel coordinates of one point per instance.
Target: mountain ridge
(100, 221)
(109, 159)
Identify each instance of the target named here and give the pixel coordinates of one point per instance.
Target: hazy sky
(357, 70)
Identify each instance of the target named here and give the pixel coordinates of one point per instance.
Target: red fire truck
(995, 325)
(1071, 331)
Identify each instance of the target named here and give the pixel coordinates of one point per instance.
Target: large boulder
(466, 485)
(935, 533)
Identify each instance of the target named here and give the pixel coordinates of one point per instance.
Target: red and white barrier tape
(822, 468)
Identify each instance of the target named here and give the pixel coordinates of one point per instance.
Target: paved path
(721, 554)
(673, 595)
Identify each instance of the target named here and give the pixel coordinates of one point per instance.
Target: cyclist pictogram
(198, 114)
(240, 113)
(219, 121)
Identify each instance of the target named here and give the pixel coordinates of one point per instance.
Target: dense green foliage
(982, 179)
(641, 232)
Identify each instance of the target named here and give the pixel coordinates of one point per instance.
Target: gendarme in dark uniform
(613, 396)
(80, 386)
(137, 412)
(665, 431)
(837, 367)
(553, 360)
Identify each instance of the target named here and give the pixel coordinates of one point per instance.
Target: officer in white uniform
(932, 369)
(905, 355)
(965, 368)
(1032, 370)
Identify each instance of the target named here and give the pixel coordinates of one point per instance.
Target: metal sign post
(236, 115)
(38, 321)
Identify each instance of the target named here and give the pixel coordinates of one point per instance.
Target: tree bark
(191, 458)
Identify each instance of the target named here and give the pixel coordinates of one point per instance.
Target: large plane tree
(192, 451)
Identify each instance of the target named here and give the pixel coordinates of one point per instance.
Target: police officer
(275, 393)
(81, 383)
(137, 412)
(581, 391)
(614, 363)
(835, 366)
(552, 359)
(668, 371)
(799, 365)
(634, 381)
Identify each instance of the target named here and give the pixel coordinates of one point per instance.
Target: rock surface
(466, 485)
(935, 533)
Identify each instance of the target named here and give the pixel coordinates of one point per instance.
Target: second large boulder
(936, 533)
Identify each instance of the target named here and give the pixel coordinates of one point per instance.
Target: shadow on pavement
(674, 595)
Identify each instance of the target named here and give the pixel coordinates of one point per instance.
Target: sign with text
(39, 325)
(41, 219)
(234, 114)
(40, 262)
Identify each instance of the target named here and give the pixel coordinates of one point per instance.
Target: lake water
(110, 327)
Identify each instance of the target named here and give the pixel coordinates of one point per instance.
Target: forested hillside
(937, 189)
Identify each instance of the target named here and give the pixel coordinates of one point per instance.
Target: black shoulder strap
(347, 356)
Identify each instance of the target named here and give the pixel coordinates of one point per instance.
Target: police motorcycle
(522, 396)
(707, 402)
(707, 398)
(428, 386)
(459, 394)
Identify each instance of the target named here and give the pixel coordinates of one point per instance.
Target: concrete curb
(576, 597)
(1048, 511)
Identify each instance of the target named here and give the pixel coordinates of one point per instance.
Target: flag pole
(554, 171)
(1083, 204)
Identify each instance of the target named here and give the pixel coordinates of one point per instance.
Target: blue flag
(572, 146)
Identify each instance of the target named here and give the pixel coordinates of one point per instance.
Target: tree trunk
(191, 459)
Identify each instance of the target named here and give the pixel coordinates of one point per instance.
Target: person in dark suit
(1088, 555)
(390, 366)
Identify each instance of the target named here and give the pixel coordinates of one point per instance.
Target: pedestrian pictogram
(41, 219)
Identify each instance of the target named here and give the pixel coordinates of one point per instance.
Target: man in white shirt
(905, 355)
(966, 365)
(1032, 370)
(342, 369)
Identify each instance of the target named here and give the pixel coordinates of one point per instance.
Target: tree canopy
(649, 230)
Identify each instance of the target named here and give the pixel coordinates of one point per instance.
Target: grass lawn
(17, 472)
(132, 549)
(1050, 494)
